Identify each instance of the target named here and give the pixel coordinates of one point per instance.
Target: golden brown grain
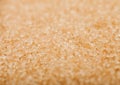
(59, 42)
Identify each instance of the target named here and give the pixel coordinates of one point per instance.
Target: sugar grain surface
(59, 42)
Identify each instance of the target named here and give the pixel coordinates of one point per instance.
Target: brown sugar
(59, 42)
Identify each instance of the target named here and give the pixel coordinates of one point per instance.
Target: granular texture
(59, 42)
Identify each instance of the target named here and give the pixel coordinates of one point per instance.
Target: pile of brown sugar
(59, 42)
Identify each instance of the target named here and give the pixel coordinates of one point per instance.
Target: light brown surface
(59, 42)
